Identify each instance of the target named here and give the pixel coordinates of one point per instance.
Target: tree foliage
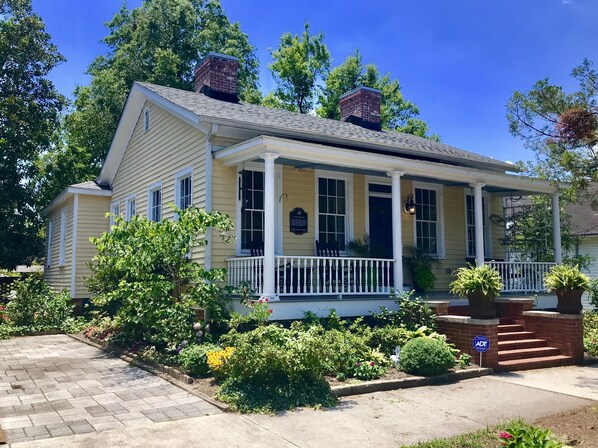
(299, 63)
(29, 108)
(397, 113)
(144, 277)
(160, 42)
(561, 127)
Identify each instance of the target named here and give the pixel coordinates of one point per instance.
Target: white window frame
(253, 166)
(62, 240)
(183, 174)
(441, 254)
(150, 189)
(49, 255)
(146, 119)
(349, 217)
(114, 212)
(487, 229)
(130, 198)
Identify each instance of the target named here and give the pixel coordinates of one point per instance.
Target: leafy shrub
(590, 332)
(593, 293)
(194, 360)
(143, 276)
(520, 435)
(74, 325)
(413, 313)
(476, 278)
(369, 370)
(36, 306)
(426, 357)
(562, 276)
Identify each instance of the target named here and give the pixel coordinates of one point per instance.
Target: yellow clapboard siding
(59, 277)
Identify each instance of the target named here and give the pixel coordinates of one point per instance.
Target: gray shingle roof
(295, 125)
(90, 185)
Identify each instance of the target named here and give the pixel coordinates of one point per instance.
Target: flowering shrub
(520, 435)
(217, 359)
(369, 370)
(194, 359)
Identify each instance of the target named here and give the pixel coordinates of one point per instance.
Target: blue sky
(459, 61)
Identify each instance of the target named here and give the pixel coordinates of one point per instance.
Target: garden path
(53, 386)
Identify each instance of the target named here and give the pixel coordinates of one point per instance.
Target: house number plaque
(298, 221)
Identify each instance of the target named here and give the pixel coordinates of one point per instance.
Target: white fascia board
(133, 108)
(310, 152)
(69, 191)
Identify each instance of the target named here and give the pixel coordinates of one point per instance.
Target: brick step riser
(519, 344)
(530, 364)
(510, 329)
(548, 351)
(515, 336)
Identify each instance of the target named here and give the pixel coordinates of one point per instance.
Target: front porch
(401, 203)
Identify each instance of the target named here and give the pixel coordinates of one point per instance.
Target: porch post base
(269, 297)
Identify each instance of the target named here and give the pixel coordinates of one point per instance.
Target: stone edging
(405, 383)
(167, 373)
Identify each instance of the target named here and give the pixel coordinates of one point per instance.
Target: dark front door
(380, 226)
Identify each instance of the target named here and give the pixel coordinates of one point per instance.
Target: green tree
(160, 42)
(561, 127)
(397, 113)
(29, 109)
(299, 63)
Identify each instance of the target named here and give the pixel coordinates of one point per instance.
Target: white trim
(308, 152)
(114, 205)
(255, 166)
(128, 200)
(68, 191)
(349, 216)
(488, 232)
(150, 189)
(62, 239)
(183, 174)
(439, 188)
(208, 200)
(49, 248)
(74, 247)
(146, 119)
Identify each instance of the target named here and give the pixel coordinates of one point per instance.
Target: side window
(131, 209)
(114, 212)
(49, 255)
(183, 189)
(146, 119)
(155, 202)
(252, 208)
(62, 237)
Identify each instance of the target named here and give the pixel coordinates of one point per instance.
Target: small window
(62, 237)
(49, 256)
(114, 212)
(131, 209)
(146, 119)
(155, 202)
(183, 189)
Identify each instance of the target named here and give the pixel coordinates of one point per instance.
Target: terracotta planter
(569, 300)
(481, 306)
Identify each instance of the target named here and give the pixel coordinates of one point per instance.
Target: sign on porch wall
(298, 221)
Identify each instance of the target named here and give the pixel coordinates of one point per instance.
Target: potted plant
(420, 267)
(569, 284)
(480, 284)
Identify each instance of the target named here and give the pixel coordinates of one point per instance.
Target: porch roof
(312, 155)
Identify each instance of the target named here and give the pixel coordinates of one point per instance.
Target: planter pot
(481, 306)
(569, 300)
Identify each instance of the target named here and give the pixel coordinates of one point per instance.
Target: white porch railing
(522, 276)
(310, 276)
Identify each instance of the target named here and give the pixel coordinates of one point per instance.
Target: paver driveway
(52, 386)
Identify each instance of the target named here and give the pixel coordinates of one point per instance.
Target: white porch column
(269, 225)
(556, 229)
(397, 243)
(479, 222)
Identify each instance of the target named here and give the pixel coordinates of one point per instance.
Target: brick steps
(536, 363)
(519, 349)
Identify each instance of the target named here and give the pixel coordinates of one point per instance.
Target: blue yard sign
(481, 343)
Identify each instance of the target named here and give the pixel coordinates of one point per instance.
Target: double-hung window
(252, 208)
(183, 189)
(62, 237)
(131, 207)
(333, 202)
(114, 212)
(470, 224)
(50, 238)
(428, 220)
(154, 206)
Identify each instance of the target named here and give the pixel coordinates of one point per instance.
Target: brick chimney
(216, 77)
(361, 106)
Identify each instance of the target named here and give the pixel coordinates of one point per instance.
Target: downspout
(208, 201)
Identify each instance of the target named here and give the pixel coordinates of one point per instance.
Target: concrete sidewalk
(385, 418)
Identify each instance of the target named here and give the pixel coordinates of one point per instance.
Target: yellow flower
(217, 358)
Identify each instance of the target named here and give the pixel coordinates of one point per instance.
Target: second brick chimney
(361, 106)
(216, 77)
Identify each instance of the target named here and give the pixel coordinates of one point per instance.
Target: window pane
(322, 186)
(331, 205)
(331, 187)
(340, 206)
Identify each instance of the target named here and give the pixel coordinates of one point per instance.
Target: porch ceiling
(316, 156)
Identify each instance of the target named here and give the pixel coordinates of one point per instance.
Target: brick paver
(54, 386)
